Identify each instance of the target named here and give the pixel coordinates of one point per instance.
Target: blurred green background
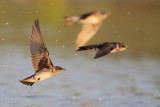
(133, 22)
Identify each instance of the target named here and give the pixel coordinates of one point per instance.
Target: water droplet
(7, 23)
(99, 99)
(59, 31)
(62, 46)
(2, 39)
(56, 40)
(129, 13)
(76, 53)
(37, 11)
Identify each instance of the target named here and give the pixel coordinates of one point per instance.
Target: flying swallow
(105, 48)
(41, 61)
(91, 22)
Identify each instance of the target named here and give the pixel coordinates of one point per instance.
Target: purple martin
(91, 22)
(41, 61)
(104, 48)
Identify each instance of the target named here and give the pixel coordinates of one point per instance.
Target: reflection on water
(124, 79)
(107, 81)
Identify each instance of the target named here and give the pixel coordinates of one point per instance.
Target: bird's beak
(64, 69)
(126, 46)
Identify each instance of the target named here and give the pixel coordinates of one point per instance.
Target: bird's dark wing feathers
(84, 16)
(38, 50)
(104, 49)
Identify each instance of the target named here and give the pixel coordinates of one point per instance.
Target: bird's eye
(112, 48)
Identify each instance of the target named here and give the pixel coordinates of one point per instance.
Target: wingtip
(36, 22)
(78, 49)
(95, 57)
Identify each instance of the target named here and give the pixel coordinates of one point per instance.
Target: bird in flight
(91, 22)
(41, 61)
(104, 48)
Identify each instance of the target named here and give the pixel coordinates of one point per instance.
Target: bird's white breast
(43, 74)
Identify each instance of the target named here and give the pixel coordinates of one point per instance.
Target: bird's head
(58, 69)
(104, 15)
(122, 46)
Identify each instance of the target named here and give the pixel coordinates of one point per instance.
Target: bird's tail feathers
(28, 81)
(82, 48)
(71, 20)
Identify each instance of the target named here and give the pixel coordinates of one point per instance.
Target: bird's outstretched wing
(39, 53)
(87, 32)
(103, 50)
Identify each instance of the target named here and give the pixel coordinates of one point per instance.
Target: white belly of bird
(42, 76)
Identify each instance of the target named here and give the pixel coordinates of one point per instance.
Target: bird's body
(91, 22)
(93, 17)
(104, 48)
(40, 59)
(39, 76)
